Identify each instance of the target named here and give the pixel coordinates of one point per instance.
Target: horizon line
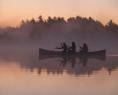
(46, 18)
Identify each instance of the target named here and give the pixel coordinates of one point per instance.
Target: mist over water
(19, 52)
(49, 33)
(23, 72)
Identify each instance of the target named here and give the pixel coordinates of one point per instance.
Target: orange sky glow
(13, 11)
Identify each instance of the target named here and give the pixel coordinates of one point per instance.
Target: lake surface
(22, 72)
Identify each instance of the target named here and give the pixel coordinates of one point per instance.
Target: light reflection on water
(23, 73)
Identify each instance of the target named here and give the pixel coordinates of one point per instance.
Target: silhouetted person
(73, 48)
(84, 49)
(64, 47)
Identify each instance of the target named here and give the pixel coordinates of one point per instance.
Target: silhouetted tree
(76, 27)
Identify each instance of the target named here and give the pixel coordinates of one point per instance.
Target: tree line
(34, 29)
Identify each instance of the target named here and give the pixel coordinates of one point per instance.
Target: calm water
(23, 73)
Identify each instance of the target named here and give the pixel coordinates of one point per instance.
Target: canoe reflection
(79, 66)
(69, 65)
(73, 60)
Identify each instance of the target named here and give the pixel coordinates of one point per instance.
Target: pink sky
(13, 11)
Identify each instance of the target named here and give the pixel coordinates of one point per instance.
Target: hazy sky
(13, 11)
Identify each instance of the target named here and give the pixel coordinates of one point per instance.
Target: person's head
(85, 44)
(73, 43)
(64, 44)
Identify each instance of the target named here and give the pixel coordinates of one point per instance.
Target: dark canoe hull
(43, 54)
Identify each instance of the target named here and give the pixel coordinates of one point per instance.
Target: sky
(13, 11)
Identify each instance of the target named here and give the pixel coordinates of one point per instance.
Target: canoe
(43, 54)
